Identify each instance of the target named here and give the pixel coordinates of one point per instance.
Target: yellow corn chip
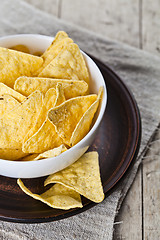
(4, 89)
(21, 48)
(66, 116)
(68, 64)
(27, 85)
(51, 153)
(60, 98)
(57, 196)
(11, 154)
(48, 102)
(44, 139)
(7, 103)
(16, 123)
(83, 176)
(85, 122)
(59, 36)
(14, 64)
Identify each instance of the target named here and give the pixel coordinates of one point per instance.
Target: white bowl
(32, 169)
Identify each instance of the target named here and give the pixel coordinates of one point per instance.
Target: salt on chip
(14, 64)
(72, 88)
(16, 123)
(68, 64)
(7, 103)
(85, 122)
(66, 116)
(83, 176)
(4, 89)
(57, 196)
(11, 154)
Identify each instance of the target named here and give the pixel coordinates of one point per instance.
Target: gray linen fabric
(139, 70)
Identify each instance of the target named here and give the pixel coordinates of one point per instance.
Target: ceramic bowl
(32, 169)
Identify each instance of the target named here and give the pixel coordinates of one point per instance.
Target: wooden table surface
(136, 23)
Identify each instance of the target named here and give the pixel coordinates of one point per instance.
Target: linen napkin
(138, 69)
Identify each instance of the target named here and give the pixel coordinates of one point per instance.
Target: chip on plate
(7, 103)
(57, 196)
(83, 176)
(14, 64)
(11, 154)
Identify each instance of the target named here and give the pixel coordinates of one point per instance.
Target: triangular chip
(68, 64)
(57, 196)
(4, 89)
(14, 64)
(51, 153)
(48, 103)
(72, 88)
(16, 123)
(83, 176)
(11, 154)
(44, 137)
(7, 103)
(66, 116)
(85, 122)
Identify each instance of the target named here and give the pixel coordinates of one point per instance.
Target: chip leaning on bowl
(46, 109)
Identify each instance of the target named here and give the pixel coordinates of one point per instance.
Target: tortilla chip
(66, 116)
(14, 64)
(83, 176)
(85, 122)
(29, 157)
(60, 98)
(4, 89)
(57, 196)
(48, 103)
(44, 139)
(72, 88)
(16, 123)
(11, 154)
(68, 64)
(7, 103)
(52, 153)
(21, 48)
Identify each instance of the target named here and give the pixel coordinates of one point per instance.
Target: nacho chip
(85, 122)
(52, 153)
(68, 64)
(60, 98)
(83, 176)
(66, 116)
(16, 123)
(11, 154)
(44, 139)
(7, 103)
(21, 48)
(72, 88)
(57, 196)
(14, 64)
(4, 89)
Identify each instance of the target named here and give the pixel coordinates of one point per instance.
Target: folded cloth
(138, 69)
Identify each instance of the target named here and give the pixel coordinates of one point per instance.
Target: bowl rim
(94, 127)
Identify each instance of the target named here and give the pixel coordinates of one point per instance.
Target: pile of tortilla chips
(45, 105)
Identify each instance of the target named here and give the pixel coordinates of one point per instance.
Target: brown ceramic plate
(117, 143)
